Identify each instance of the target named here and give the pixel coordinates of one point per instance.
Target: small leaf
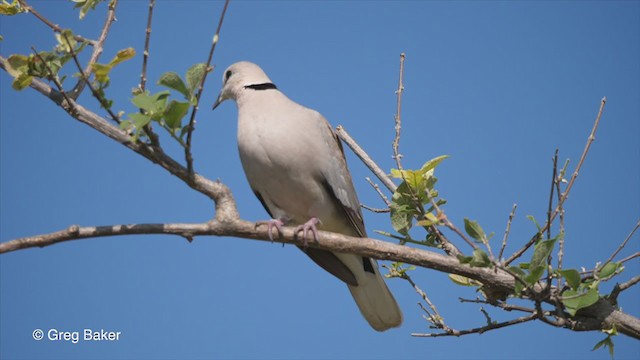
(433, 163)
(151, 103)
(140, 120)
(480, 259)
(429, 219)
(474, 230)
(530, 217)
(101, 72)
(572, 276)
(608, 270)
(535, 274)
(173, 81)
(575, 300)
(174, 113)
(194, 77)
(464, 259)
(66, 41)
(122, 55)
(606, 342)
(542, 251)
(11, 9)
(21, 81)
(464, 281)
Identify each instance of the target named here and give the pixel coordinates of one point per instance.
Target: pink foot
(273, 223)
(309, 225)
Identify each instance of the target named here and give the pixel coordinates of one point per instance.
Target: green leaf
(464, 281)
(122, 55)
(85, 6)
(173, 81)
(11, 9)
(101, 72)
(530, 217)
(464, 259)
(541, 252)
(17, 64)
(194, 77)
(474, 230)
(429, 219)
(535, 274)
(572, 276)
(432, 164)
(401, 218)
(606, 342)
(21, 81)
(480, 259)
(518, 285)
(608, 270)
(140, 120)
(66, 41)
(174, 113)
(575, 300)
(153, 104)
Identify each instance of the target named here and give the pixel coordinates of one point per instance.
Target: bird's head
(239, 77)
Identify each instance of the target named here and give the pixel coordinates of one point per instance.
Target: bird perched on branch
(296, 167)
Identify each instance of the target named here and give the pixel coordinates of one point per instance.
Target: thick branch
(218, 192)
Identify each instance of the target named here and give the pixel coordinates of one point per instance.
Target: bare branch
(147, 41)
(366, 159)
(28, 8)
(97, 49)
(507, 231)
(377, 189)
(375, 210)
(192, 120)
(624, 243)
(622, 287)
(99, 97)
(482, 329)
(565, 195)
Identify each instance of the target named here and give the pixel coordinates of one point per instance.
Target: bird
(295, 165)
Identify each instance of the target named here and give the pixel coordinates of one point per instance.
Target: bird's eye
(227, 75)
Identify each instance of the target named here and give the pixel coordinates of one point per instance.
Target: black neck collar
(263, 86)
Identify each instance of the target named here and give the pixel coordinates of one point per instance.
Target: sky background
(498, 86)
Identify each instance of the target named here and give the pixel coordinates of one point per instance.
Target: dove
(295, 165)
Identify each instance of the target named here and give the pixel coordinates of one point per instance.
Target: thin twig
(97, 49)
(95, 93)
(70, 106)
(398, 117)
(501, 305)
(147, 41)
(377, 189)
(558, 181)
(148, 129)
(554, 174)
(483, 329)
(565, 195)
(630, 257)
(622, 287)
(624, 243)
(553, 187)
(436, 319)
(375, 210)
(507, 231)
(366, 159)
(192, 120)
(28, 8)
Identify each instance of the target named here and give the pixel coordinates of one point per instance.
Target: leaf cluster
(159, 108)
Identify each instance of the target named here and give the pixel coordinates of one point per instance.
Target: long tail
(375, 301)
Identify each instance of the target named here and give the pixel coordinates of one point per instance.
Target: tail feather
(375, 301)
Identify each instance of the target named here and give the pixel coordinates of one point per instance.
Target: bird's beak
(218, 101)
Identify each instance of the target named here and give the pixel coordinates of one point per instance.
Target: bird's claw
(306, 227)
(273, 223)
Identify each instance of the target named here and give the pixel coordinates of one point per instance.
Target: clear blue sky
(496, 85)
